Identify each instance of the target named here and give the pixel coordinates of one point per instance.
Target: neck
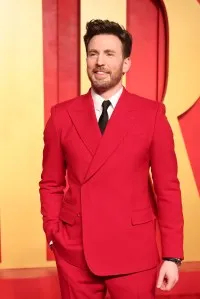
(107, 94)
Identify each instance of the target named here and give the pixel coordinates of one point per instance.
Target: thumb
(160, 278)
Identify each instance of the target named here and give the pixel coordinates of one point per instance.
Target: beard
(103, 84)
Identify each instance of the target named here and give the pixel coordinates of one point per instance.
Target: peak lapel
(116, 129)
(83, 116)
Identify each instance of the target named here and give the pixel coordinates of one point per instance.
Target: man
(102, 229)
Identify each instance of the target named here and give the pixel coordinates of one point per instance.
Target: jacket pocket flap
(67, 216)
(142, 216)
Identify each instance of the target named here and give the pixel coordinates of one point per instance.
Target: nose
(100, 60)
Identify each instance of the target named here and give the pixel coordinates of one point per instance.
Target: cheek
(116, 69)
(114, 65)
(90, 64)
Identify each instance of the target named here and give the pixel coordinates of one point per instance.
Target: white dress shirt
(98, 100)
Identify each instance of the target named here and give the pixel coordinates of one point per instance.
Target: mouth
(100, 74)
(100, 71)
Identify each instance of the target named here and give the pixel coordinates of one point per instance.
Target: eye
(92, 54)
(110, 54)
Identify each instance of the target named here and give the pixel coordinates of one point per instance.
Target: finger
(170, 283)
(161, 278)
(164, 284)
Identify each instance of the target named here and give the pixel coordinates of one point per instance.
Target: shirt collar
(98, 100)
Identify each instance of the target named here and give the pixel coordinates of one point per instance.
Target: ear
(126, 65)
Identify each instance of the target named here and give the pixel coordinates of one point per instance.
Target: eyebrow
(106, 51)
(109, 51)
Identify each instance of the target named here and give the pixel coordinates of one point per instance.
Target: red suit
(105, 220)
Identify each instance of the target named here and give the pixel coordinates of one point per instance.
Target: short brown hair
(96, 27)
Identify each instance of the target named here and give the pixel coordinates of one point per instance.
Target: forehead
(104, 42)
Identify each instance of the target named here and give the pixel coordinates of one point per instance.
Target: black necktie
(104, 116)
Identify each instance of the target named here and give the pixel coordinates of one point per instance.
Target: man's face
(105, 62)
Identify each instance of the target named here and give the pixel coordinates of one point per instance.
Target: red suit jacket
(108, 183)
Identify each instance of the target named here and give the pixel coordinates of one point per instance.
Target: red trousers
(79, 283)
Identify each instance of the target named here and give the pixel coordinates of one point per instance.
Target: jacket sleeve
(52, 182)
(167, 187)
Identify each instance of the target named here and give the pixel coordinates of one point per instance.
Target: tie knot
(105, 105)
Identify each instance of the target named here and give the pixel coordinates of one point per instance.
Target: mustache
(100, 69)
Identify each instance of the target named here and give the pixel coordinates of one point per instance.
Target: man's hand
(168, 276)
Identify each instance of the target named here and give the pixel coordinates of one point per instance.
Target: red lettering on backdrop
(61, 55)
(190, 126)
